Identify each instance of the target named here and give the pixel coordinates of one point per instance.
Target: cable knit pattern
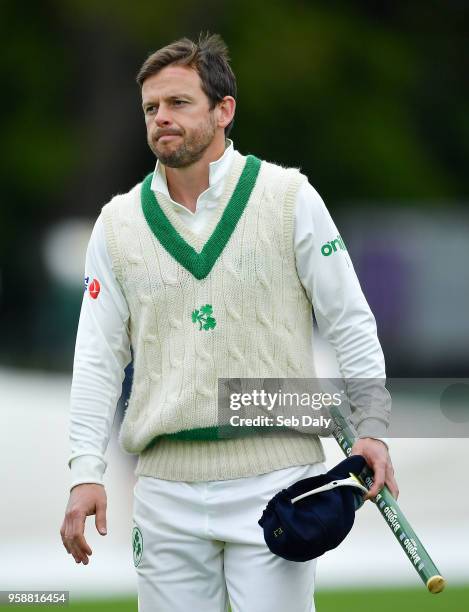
(263, 328)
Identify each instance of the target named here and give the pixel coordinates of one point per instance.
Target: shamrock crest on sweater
(203, 316)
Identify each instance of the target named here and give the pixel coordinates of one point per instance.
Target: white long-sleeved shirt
(102, 348)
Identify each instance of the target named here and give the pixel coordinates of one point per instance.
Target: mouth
(167, 137)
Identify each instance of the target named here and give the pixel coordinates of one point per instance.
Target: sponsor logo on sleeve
(331, 247)
(93, 287)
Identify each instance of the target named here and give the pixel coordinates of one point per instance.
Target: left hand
(378, 459)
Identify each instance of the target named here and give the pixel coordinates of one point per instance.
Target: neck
(186, 184)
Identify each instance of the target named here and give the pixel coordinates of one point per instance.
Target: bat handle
(436, 584)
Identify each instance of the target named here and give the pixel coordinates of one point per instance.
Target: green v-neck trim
(200, 264)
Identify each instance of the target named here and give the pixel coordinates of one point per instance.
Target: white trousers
(198, 546)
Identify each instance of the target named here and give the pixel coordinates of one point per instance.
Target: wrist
(383, 440)
(87, 469)
(372, 428)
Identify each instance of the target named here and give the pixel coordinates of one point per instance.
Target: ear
(225, 111)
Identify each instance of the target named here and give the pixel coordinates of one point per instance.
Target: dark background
(370, 100)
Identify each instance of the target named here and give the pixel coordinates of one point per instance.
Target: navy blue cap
(302, 523)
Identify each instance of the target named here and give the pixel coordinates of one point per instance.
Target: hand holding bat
(345, 436)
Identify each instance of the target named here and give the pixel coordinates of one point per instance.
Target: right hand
(85, 500)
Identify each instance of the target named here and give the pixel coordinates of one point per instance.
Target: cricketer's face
(180, 124)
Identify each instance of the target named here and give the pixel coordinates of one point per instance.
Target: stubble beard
(192, 148)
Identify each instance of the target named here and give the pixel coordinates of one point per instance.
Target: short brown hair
(208, 56)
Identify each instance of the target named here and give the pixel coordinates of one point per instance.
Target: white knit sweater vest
(226, 303)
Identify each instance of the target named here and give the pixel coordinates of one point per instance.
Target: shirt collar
(216, 172)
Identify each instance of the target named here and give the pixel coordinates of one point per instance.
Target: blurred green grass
(454, 599)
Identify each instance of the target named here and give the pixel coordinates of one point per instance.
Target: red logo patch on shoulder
(94, 288)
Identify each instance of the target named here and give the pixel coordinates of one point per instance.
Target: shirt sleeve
(343, 315)
(102, 351)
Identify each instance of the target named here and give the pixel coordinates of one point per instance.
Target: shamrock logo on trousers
(203, 316)
(137, 545)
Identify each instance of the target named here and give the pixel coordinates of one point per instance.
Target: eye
(150, 109)
(179, 102)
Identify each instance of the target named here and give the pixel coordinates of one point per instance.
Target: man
(208, 269)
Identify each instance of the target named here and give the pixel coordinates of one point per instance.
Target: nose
(162, 116)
